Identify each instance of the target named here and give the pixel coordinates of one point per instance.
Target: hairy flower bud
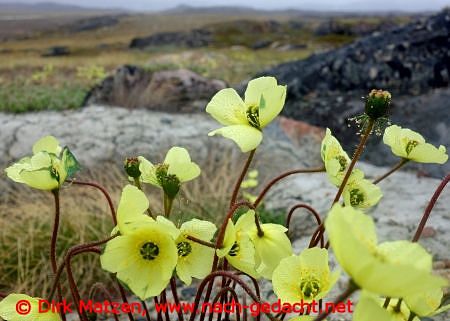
(377, 103)
(131, 166)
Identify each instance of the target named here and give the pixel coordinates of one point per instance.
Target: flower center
(234, 249)
(253, 116)
(184, 248)
(343, 162)
(410, 146)
(310, 287)
(149, 251)
(356, 197)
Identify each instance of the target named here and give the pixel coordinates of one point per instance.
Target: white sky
(332, 5)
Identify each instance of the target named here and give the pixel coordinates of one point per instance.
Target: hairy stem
(311, 210)
(399, 165)
(199, 241)
(237, 186)
(280, 177)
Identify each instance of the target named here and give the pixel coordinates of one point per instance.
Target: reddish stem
(430, 207)
(237, 186)
(101, 189)
(280, 177)
(399, 165)
(54, 238)
(223, 291)
(173, 287)
(311, 211)
(101, 287)
(343, 296)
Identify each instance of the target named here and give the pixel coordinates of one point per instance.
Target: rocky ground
(98, 134)
(412, 62)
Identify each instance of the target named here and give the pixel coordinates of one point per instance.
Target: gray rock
(172, 91)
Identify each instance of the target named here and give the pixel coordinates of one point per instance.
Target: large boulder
(191, 39)
(413, 62)
(171, 91)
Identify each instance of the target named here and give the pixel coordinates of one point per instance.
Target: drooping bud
(377, 103)
(131, 166)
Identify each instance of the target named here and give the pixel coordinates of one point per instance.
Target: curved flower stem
(159, 315)
(351, 288)
(399, 165)
(75, 250)
(280, 177)
(98, 286)
(123, 296)
(199, 241)
(430, 207)
(258, 226)
(173, 287)
(54, 238)
(232, 276)
(104, 192)
(223, 291)
(237, 186)
(164, 301)
(73, 286)
(311, 211)
(356, 156)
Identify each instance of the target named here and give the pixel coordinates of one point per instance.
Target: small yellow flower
(244, 120)
(361, 193)
(410, 145)
(144, 258)
(194, 260)
(238, 248)
(334, 157)
(305, 277)
(383, 269)
(177, 168)
(9, 310)
(47, 169)
(271, 247)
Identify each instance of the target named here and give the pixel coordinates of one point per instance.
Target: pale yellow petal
(148, 172)
(47, 144)
(245, 136)
(227, 108)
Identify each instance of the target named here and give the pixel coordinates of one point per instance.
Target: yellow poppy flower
(410, 145)
(359, 192)
(194, 260)
(177, 168)
(47, 169)
(381, 269)
(334, 157)
(244, 120)
(144, 258)
(11, 306)
(238, 249)
(271, 247)
(427, 304)
(370, 309)
(305, 277)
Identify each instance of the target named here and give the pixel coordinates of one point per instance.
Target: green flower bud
(169, 182)
(131, 166)
(377, 103)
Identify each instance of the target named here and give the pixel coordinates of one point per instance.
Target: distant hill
(48, 7)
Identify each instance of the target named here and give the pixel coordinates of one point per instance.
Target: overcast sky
(339, 5)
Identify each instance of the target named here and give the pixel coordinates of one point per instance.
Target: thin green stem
(237, 186)
(399, 165)
(168, 203)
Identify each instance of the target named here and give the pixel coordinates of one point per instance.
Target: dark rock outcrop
(171, 91)
(56, 51)
(412, 62)
(192, 39)
(93, 23)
